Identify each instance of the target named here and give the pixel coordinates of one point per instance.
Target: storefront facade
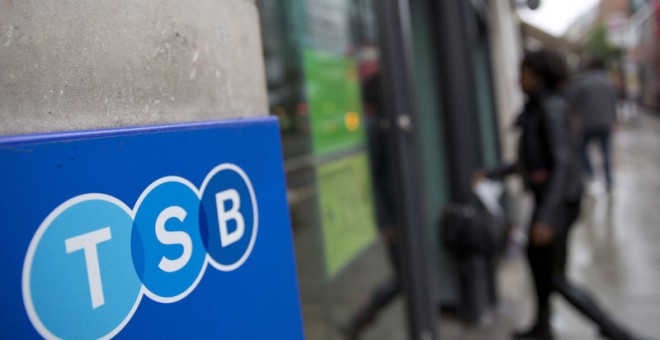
(339, 74)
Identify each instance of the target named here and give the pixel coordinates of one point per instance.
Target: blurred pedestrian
(594, 97)
(548, 165)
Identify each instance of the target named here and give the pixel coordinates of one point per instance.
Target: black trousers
(548, 266)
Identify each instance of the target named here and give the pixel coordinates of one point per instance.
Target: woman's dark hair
(549, 66)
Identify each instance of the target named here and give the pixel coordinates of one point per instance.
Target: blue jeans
(602, 136)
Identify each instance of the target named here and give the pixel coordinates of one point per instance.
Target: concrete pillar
(507, 52)
(506, 57)
(71, 65)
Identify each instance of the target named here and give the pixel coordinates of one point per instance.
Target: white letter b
(227, 238)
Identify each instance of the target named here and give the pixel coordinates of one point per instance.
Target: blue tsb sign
(193, 217)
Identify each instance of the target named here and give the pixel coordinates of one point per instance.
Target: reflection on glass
(318, 55)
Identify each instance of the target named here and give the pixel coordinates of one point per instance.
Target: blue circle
(92, 231)
(167, 247)
(224, 183)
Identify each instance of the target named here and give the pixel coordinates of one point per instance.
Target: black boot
(541, 329)
(354, 328)
(614, 332)
(537, 332)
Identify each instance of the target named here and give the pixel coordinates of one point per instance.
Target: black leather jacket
(547, 156)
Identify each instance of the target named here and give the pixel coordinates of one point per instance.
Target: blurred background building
(625, 34)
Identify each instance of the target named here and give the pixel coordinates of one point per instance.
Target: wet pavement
(614, 251)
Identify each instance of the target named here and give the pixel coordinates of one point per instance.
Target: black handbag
(470, 229)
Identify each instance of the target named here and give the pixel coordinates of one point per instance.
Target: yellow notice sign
(347, 212)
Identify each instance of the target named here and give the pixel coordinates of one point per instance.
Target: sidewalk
(614, 251)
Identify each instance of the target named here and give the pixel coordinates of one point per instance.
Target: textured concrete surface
(614, 251)
(68, 65)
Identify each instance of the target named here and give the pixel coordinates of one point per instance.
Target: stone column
(71, 65)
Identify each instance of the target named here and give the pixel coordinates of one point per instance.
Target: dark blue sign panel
(160, 232)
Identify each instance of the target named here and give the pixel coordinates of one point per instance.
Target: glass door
(322, 65)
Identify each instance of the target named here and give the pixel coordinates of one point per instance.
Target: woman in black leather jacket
(548, 164)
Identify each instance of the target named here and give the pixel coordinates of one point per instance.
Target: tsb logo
(93, 258)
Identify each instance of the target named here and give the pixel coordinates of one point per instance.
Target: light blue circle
(59, 277)
(181, 229)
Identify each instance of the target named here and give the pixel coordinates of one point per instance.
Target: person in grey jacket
(594, 96)
(548, 165)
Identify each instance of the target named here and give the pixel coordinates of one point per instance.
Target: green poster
(333, 92)
(346, 210)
